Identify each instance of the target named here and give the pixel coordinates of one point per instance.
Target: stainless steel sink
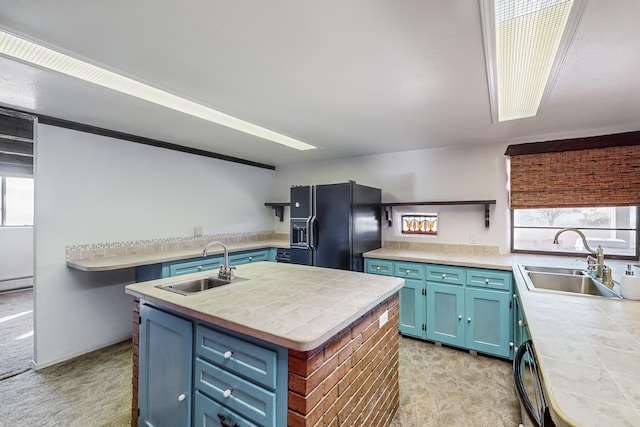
(569, 281)
(194, 286)
(556, 270)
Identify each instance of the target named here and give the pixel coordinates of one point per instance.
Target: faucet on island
(604, 272)
(226, 272)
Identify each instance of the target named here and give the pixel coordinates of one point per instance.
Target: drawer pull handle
(226, 393)
(181, 397)
(444, 275)
(460, 317)
(250, 258)
(468, 319)
(521, 323)
(378, 268)
(227, 354)
(199, 267)
(224, 423)
(486, 280)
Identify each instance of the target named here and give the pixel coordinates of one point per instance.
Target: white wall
(92, 189)
(442, 174)
(16, 254)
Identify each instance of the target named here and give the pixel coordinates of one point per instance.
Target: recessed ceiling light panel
(32, 53)
(525, 44)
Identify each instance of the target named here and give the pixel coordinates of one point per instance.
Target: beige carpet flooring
(16, 332)
(439, 386)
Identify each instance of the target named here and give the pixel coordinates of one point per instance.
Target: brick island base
(352, 380)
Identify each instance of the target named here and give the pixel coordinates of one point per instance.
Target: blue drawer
(253, 402)
(209, 413)
(491, 279)
(247, 257)
(445, 274)
(241, 357)
(377, 266)
(209, 263)
(409, 270)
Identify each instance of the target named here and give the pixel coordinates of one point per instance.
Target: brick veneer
(350, 381)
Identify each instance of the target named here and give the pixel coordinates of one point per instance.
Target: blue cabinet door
(412, 309)
(488, 321)
(445, 313)
(165, 362)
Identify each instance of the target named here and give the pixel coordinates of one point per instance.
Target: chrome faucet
(226, 272)
(599, 254)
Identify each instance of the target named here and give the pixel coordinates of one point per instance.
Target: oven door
(529, 387)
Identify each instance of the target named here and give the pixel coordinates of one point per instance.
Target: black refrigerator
(332, 225)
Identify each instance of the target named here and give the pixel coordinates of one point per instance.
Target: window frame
(580, 254)
(3, 201)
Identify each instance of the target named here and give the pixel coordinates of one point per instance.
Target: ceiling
(352, 77)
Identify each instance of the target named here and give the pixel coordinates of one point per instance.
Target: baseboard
(16, 284)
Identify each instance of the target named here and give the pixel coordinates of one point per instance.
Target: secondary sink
(194, 286)
(570, 281)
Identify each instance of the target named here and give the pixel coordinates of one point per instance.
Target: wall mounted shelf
(278, 208)
(388, 207)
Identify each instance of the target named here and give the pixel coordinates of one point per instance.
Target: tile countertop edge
(135, 260)
(294, 344)
(565, 415)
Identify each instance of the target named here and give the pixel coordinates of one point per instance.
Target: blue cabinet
(240, 258)
(459, 306)
(488, 321)
(234, 379)
(194, 265)
(445, 312)
(411, 308)
(165, 363)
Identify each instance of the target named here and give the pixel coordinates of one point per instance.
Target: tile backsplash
(443, 247)
(99, 250)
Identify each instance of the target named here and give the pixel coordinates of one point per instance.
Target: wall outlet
(197, 231)
(384, 318)
(473, 238)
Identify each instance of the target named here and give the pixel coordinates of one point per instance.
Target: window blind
(605, 176)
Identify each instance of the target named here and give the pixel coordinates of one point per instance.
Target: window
(17, 201)
(613, 228)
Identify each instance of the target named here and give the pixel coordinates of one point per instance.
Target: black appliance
(529, 387)
(332, 225)
(282, 255)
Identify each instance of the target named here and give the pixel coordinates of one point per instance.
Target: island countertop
(294, 306)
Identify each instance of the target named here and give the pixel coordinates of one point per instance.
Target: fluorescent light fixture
(525, 44)
(36, 54)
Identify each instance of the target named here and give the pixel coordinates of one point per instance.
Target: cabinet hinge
(424, 292)
(510, 305)
(424, 326)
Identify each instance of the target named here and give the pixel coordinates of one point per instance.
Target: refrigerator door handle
(311, 226)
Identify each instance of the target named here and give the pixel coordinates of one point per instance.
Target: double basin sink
(565, 280)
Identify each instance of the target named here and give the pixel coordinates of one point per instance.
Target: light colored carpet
(93, 390)
(16, 332)
(441, 386)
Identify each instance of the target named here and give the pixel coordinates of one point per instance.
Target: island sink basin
(564, 280)
(192, 287)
